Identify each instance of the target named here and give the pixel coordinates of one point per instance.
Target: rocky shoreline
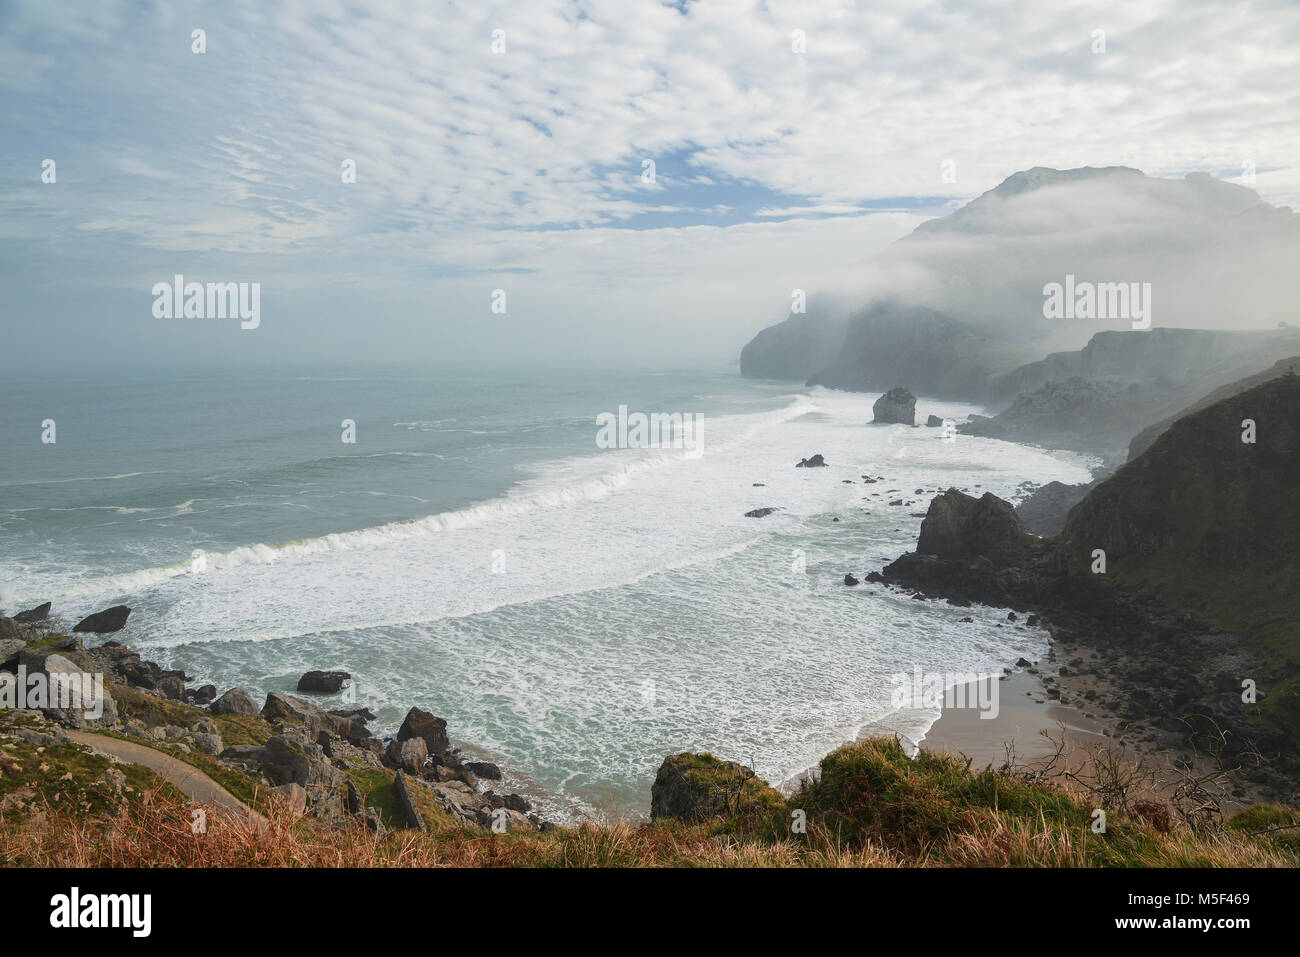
(312, 756)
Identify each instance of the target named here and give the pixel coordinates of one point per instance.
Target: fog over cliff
(1214, 253)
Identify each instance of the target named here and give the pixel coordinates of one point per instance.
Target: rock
(104, 622)
(933, 422)
(404, 801)
(201, 695)
(898, 405)
(9, 651)
(289, 758)
(1024, 663)
(815, 462)
(287, 710)
(1043, 512)
(78, 699)
(251, 754)
(9, 628)
(850, 580)
(323, 682)
(761, 512)
(208, 743)
(205, 725)
(409, 755)
(33, 615)
(960, 527)
(485, 770)
(295, 796)
(694, 787)
(172, 687)
(421, 724)
(234, 701)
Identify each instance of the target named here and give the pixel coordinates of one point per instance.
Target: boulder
(933, 422)
(694, 787)
(235, 701)
(208, 743)
(290, 758)
(409, 755)
(33, 615)
(815, 462)
(323, 682)
(201, 695)
(761, 512)
(77, 699)
(898, 405)
(485, 770)
(9, 628)
(172, 687)
(286, 710)
(104, 622)
(421, 724)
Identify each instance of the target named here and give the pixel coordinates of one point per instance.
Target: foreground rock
(894, 407)
(695, 787)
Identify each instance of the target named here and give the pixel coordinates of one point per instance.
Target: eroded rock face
(898, 405)
(694, 787)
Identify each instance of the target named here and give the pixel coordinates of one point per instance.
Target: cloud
(470, 161)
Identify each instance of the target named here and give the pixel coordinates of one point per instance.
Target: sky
(506, 147)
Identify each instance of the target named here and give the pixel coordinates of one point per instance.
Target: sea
(575, 612)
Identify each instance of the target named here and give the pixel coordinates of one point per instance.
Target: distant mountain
(1097, 398)
(970, 286)
(793, 349)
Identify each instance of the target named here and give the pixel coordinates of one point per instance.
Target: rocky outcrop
(897, 406)
(104, 622)
(35, 615)
(235, 701)
(286, 710)
(1076, 414)
(1180, 571)
(421, 724)
(761, 512)
(812, 462)
(323, 682)
(695, 787)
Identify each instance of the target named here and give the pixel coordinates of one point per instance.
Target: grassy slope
(872, 806)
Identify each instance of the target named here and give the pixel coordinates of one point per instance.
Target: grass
(872, 806)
